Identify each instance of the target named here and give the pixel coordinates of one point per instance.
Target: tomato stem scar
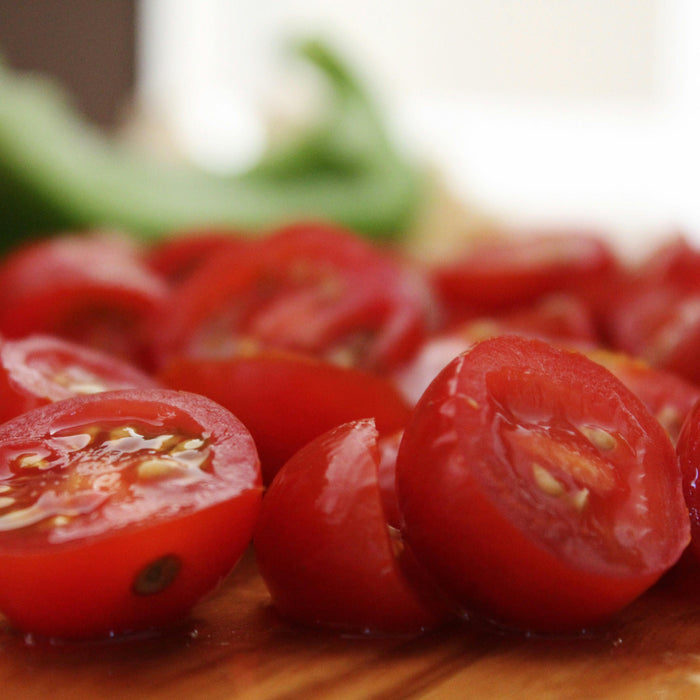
(157, 576)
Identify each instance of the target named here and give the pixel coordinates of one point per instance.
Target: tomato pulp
(537, 489)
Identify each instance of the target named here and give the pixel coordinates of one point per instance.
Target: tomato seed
(545, 481)
(32, 461)
(157, 468)
(602, 439)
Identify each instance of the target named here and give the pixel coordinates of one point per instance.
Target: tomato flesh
(537, 489)
(120, 510)
(287, 399)
(39, 369)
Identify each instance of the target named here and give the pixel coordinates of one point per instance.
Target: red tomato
(688, 449)
(287, 399)
(557, 318)
(92, 288)
(537, 489)
(306, 288)
(40, 369)
(322, 542)
(661, 325)
(120, 510)
(180, 254)
(656, 313)
(667, 396)
(516, 270)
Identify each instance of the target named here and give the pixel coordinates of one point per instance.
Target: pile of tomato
(511, 436)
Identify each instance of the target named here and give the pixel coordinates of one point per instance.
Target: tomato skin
(87, 592)
(502, 538)
(515, 270)
(322, 542)
(91, 287)
(84, 578)
(310, 288)
(287, 399)
(558, 319)
(39, 369)
(656, 313)
(688, 448)
(176, 257)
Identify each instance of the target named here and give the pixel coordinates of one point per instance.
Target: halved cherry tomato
(92, 288)
(655, 314)
(688, 448)
(180, 254)
(308, 288)
(515, 270)
(557, 318)
(323, 545)
(287, 399)
(120, 510)
(537, 489)
(661, 325)
(668, 396)
(40, 369)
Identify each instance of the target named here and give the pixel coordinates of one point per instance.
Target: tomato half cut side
(287, 399)
(93, 287)
(323, 545)
(39, 369)
(120, 510)
(309, 288)
(537, 489)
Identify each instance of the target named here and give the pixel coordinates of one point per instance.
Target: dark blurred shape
(87, 45)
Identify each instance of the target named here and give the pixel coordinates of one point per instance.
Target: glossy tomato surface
(323, 545)
(518, 268)
(92, 287)
(120, 510)
(287, 399)
(537, 489)
(688, 448)
(668, 396)
(39, 369)
(309, 288)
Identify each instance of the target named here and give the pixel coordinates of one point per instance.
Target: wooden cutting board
(235, 646)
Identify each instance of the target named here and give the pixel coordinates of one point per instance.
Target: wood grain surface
(235, 646)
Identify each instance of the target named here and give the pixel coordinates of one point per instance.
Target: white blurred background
(583, 111)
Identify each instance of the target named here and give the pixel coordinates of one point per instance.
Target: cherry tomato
(307, 288)
(537, 489)
(688, 448)
(668, 396)
(40, 369)
(92, 288)
(655, 315)
(558, 318)
(516, 270)
(323, 545)
(179, 255)
(287, 399)
(120, 510)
